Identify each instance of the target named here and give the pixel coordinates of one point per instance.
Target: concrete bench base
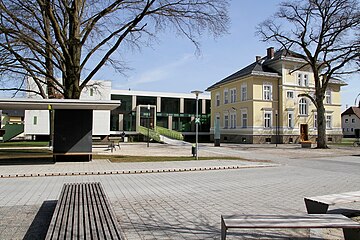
(320, 204)
(350, 228)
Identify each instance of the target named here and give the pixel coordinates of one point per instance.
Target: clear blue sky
(171, 65)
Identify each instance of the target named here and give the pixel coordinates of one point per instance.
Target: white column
(121, 122)
(181, 105)
(170, 120)
(158, 104)
(203, 105)
(133, 103)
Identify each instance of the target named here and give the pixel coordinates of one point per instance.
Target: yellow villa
(260, 103)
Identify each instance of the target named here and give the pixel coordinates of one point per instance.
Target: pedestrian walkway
(186, 204)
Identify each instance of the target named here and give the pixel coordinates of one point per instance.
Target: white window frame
(328, 121)
(243, 92)
(267, 92)
(226, 120)
(268, 119)
(232, 95)
(303, 107)
(291, 119)
(328, 97)
(290, 94)
(217, 99)
(303, 79)
(226, 96)
(233, 119)
(244, 119)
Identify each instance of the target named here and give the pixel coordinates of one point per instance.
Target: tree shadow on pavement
(41, 222)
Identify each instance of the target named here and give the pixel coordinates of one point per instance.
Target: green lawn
(23, 144)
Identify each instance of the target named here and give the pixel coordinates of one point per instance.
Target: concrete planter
(306, 144)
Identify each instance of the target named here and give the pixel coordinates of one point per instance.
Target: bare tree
(326, 32)
(62, 44)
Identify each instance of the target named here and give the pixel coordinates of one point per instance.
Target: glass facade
(169, 114)
(125, 111)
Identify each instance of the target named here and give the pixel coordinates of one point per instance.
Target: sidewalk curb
(113, 172)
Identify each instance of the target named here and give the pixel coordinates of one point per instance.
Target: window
(328, 122)
(303, 79)
(353, 120)
(306, 80)
(346, 120)
(267, 92)
(290, 94)
(226, 121)
(303, 106)
(315, 120)
(233, 95)
(233, 120)
(243, 92)
(244, 119)
(291, 120)
(91, 92)
(352, 130)
(226, 96)
(267, 118)
(328, 97)
(217, 99)
(35, 120)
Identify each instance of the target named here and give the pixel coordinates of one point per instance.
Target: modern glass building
(175, 111)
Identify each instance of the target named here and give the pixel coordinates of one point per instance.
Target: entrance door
(304, 132)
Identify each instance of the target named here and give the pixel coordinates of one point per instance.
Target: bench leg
(351, 233)
(313, 207)
(223, 230)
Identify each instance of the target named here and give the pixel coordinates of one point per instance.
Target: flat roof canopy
(46, 104)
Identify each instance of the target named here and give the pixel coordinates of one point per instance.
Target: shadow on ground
(27, 161)
(41, 222)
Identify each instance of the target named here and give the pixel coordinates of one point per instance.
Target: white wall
(42, 126)
(97, 90)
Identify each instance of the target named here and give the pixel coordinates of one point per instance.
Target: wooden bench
(110, 144)
(320, 204)
(83, 212)
(350, 228)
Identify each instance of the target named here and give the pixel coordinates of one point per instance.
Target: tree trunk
(72, 77)
(321, 124)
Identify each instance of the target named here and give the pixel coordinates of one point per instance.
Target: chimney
(258, 58)
(270, 52)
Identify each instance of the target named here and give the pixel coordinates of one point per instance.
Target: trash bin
(193, 150)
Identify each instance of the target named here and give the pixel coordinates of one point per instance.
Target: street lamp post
(276, 128)
(197, 120)
(148, 117)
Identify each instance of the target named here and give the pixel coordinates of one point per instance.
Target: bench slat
(83, 212)
(289, 221)
(110, 216)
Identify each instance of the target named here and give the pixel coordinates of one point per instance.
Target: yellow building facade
(260, 103)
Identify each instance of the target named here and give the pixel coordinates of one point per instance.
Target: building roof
(160, 94)
(262, 68)
(256, 68)
(352, 110)
(45, 104)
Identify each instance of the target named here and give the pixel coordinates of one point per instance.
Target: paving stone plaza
(184, 200)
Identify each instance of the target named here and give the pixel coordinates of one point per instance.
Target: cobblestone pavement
(188, 205)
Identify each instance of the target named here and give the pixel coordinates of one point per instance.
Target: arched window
(303, 106)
